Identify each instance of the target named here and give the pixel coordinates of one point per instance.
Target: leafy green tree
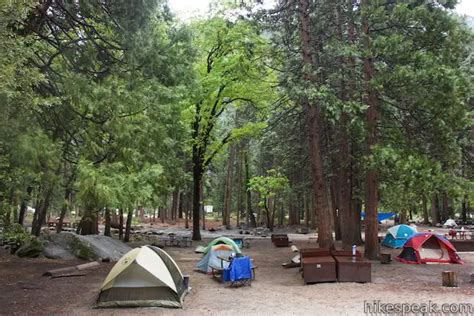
(268, 188)
(229, 74)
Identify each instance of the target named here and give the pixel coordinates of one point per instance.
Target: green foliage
(82, 250)
(16, 236)
(230, 76)
(116, 101)
(269, 186)
(31, 249)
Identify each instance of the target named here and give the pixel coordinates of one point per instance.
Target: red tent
(428, 247)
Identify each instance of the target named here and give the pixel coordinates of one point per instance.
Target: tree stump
(385, 258)
(450, 278)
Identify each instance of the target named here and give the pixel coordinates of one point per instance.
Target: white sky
(188, 8)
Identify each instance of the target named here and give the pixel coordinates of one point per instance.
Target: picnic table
(460, 234)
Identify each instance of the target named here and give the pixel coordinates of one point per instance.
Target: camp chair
(217, 271)
(239, 272)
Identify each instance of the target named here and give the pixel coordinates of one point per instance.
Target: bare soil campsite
(275, 290)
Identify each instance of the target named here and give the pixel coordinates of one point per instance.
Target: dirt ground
(276, 291)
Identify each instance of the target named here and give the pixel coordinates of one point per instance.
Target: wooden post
(450, 278)
(385, 258)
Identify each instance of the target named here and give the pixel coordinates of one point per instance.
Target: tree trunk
(88, 224)
(114, 218)
(40, 214)
(250, 217)
(464, 209)
(356, 205)
(162, 211)
(121, 224)
(292, 212)
(228, 188)
(445, 214)
(272, 213)
(313, 117)
(335, 197)
(14, 206)
(201, 206)
(64, 209)
(343, 164)
(8, 210)
(314, 217)
(186, 215)
(198, 171)
(141, 209)
(174, 204)
(239, 187)
(306, 210)
(426, 218)
(403, 217)
(372, 183)
(107, 222)
(268, 207)
(281, 216)
(128, 225)
(38, 205)
(347, 174)
(24, 205)
(344, 181)
(434, 210)
(181, 205)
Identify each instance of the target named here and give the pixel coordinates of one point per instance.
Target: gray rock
(54, 251)
(90, 247)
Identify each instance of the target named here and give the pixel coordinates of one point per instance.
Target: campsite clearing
(276, 290)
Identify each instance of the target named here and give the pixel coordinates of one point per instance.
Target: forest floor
(276, 291)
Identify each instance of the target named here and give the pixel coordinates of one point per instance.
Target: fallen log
(69, 270)
(88, 265)
(67, 275)
(290, 264)
(293, 263)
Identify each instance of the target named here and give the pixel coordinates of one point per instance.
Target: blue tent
(398, 235)
(381, 216)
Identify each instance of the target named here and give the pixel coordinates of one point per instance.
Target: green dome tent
(143, 277)
(222, 240)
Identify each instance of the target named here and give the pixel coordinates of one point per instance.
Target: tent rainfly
(398, 235)
(143, 277)
(380, 216)
(222, 240)
(428, 248)
(450, 223)
(212, 258)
